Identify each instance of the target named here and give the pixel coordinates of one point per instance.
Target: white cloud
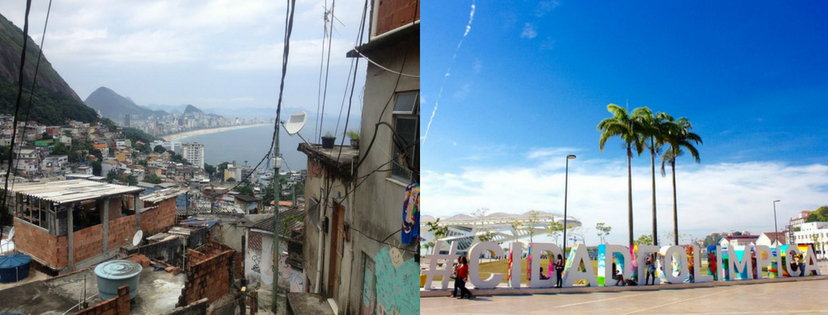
(545, 7)
(711, 198)
(528, 31)
(464, 90)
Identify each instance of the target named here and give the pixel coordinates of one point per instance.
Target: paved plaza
(761, 298)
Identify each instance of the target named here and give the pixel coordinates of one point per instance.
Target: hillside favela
(284, 181)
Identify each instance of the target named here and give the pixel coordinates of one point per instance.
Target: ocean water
(249, 144)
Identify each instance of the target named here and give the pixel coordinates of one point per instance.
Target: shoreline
(177, 136)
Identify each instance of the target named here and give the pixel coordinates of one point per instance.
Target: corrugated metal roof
(72, 190)
(164, 194)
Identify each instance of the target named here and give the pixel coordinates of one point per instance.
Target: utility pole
(277, 187)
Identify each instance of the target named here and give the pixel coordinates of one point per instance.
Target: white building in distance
(194, 153)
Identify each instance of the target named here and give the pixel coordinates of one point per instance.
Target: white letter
(762, 251)
(735, 263)
(579, 256)
(790, 253)
(626, 265)
(720, 263)
(517, 254)
(700, 278)
(669, 253)
(537, 251)
(811, 265)
(474, 265)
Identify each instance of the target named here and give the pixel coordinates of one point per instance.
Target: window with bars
(406, 138)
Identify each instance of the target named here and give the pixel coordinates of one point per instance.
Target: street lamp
(775, 232)
(566, 188)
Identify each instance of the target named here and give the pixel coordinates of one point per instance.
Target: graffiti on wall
(369, 288)
(397, 285)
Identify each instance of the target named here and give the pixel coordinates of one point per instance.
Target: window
(406, 141)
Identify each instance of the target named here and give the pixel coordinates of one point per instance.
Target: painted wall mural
(397, 285)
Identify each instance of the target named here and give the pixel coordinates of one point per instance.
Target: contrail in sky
(448, 72)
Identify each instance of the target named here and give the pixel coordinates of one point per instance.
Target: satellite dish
(296, 122)
(137, 238)
(11, 234)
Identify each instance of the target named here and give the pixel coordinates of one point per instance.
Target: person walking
(801, 261)
(454, 277)
(559, 267)
(462, 277)
(650, 271)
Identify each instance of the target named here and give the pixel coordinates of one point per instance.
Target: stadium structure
(496, 227)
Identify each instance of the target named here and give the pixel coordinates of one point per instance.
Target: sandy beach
(177, 136)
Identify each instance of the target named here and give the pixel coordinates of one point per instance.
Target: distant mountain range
(53, 101)
(114, 106)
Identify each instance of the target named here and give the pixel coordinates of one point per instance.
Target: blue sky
(531, 81)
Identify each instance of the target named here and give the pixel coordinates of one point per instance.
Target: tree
(480, 215)
(60, 149)
(46, 136)
(152, 178)
(712, 239)
(677, 238)
(818, 215)
(96, 168)
(534, 216)
(111, 176)
(555, 230)
(679, 138)
(654, 129)
(629, 129)
(603, 231)
(159, 149)
(231, 180)
(131, 180)
(645, 239)
(244, 190)
(516, 225)
(209, 169)
(439, 231)
(97, 153)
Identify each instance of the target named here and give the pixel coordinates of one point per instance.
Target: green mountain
(192, 110)
(114, 106)
(53, 100)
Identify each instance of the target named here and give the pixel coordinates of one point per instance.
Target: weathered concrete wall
(197, 308)
(379, 200)
(167, 251)
(119, 305)
(258, 260)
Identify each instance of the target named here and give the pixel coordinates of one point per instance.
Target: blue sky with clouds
(531, 81)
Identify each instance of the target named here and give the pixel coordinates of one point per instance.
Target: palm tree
(678, 136)
(654, 129)
(629, 129)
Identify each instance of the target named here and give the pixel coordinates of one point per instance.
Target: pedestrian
(650, 271)
(618, 276)
(711, 262)
(801, 261)
(462, 277)
(559, 267)
(454, 277)
(691, 273)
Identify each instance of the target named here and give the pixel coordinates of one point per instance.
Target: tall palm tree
(623, 125)
(679, 138)
(654, 129)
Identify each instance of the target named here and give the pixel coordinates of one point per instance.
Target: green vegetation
(645, 239)
(153, 179)
(159, 149)
(211, 170)
(353, 134)
(135, 135)
(244, 190)
(818, 215)
(48, 108)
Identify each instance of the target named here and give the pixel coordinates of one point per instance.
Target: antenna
(136, 240)
(296, 122)
(11, 234)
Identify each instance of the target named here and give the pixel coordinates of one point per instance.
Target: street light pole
(566, 190)
(775, 232)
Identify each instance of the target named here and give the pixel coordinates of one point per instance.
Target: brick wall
(39, 243)
(118, 305)
(392, 14)
(88, 242)
(208, 273)
(159, 219)
(121, 231)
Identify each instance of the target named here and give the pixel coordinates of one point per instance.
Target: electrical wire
(19, 98)
(321, 116)
(385, 68)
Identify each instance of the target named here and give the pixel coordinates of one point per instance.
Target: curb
(576, 290)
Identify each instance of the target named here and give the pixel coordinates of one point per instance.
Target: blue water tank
(14, 268)
(116, 273)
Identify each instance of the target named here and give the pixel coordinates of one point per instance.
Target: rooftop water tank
(116, 273)
(14, 268)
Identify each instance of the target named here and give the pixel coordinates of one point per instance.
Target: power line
(19, 98)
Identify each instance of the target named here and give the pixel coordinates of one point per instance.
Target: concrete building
(194, 153)
(738, 239)
(812, 233)
(770, 239)
(354, 254)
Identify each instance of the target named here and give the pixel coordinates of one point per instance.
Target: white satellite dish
(11, 234)
(296, 122)
(136, 240)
